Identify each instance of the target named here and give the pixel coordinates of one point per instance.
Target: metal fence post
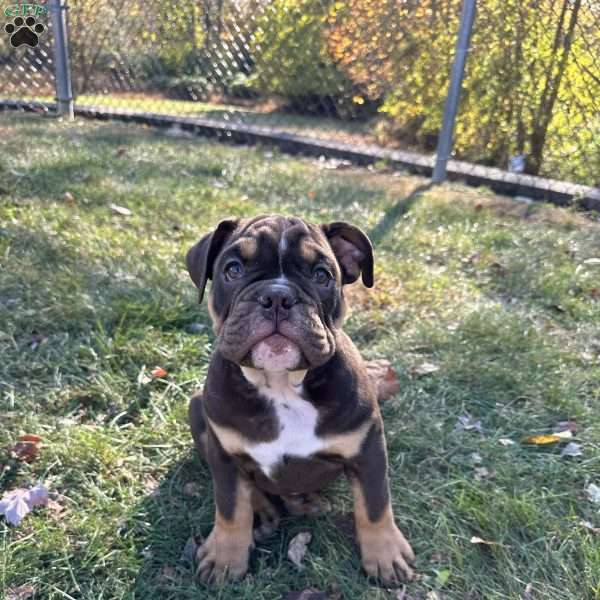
(64, 93)
(444, 148)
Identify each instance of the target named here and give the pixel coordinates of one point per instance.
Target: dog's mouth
(276, 353)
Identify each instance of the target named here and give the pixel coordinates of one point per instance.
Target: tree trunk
(563, 41)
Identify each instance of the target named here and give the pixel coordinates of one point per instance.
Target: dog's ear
(353, 251)
(201, 257)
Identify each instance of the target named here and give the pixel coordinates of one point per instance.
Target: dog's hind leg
(266, 515)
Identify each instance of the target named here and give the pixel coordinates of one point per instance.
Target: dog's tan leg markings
(384, 550)
(224, 554)
(385, 553)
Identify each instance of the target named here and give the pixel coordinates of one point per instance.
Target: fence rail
(367, 76)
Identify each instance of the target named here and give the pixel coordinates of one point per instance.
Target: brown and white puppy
(288, 405)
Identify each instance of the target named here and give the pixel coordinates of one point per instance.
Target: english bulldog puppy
(288, 404)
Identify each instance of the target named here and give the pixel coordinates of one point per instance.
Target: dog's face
(276, 293)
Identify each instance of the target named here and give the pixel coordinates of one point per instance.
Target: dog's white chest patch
(297, 420)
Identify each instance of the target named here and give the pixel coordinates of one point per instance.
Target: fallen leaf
(565, 426)
(506, 442)
(27, 447)
(308, 594)
(385, 377)
(69, 198)
(550, 438)
(120, 210)
(21, 592)
(13, 507)
(120, 151)
(593, 493)
(478, 540)
(572, 449)
(589, 526)
(298, 546)
(467, 423)
(158, 372)
(423, 369)
(442, 577)
(527, 592)
(17, 504)
(37, 339)
(481, 473)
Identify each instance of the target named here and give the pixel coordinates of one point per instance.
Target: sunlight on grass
(500, 297)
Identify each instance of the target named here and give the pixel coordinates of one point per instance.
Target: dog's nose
(277, 296)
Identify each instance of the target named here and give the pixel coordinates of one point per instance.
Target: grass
(500, 296)
(261, 114)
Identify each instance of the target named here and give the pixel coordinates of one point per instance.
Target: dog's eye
(321, 276)
(233, 270)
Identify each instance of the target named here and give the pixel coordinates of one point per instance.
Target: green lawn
(502, 297)
(261, 114)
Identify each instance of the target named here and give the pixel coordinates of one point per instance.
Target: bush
(292, 60)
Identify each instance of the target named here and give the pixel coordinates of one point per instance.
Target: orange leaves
(158, 372)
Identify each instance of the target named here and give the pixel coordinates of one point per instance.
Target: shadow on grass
(164, 522)
(395, 213)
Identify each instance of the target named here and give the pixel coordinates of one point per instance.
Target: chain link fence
(358, 72)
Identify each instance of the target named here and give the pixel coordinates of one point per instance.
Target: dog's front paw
(386, 555)
(222, 557)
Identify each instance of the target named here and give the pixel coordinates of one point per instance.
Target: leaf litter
(17, 504)
(298, 547)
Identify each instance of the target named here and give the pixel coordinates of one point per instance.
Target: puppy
(288, 405)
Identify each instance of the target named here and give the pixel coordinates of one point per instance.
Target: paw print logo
(24, 31)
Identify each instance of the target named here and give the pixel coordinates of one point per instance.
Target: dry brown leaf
(423, 369)
(385, 377)
(27, 447)
(21, 592)
(297, 548)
